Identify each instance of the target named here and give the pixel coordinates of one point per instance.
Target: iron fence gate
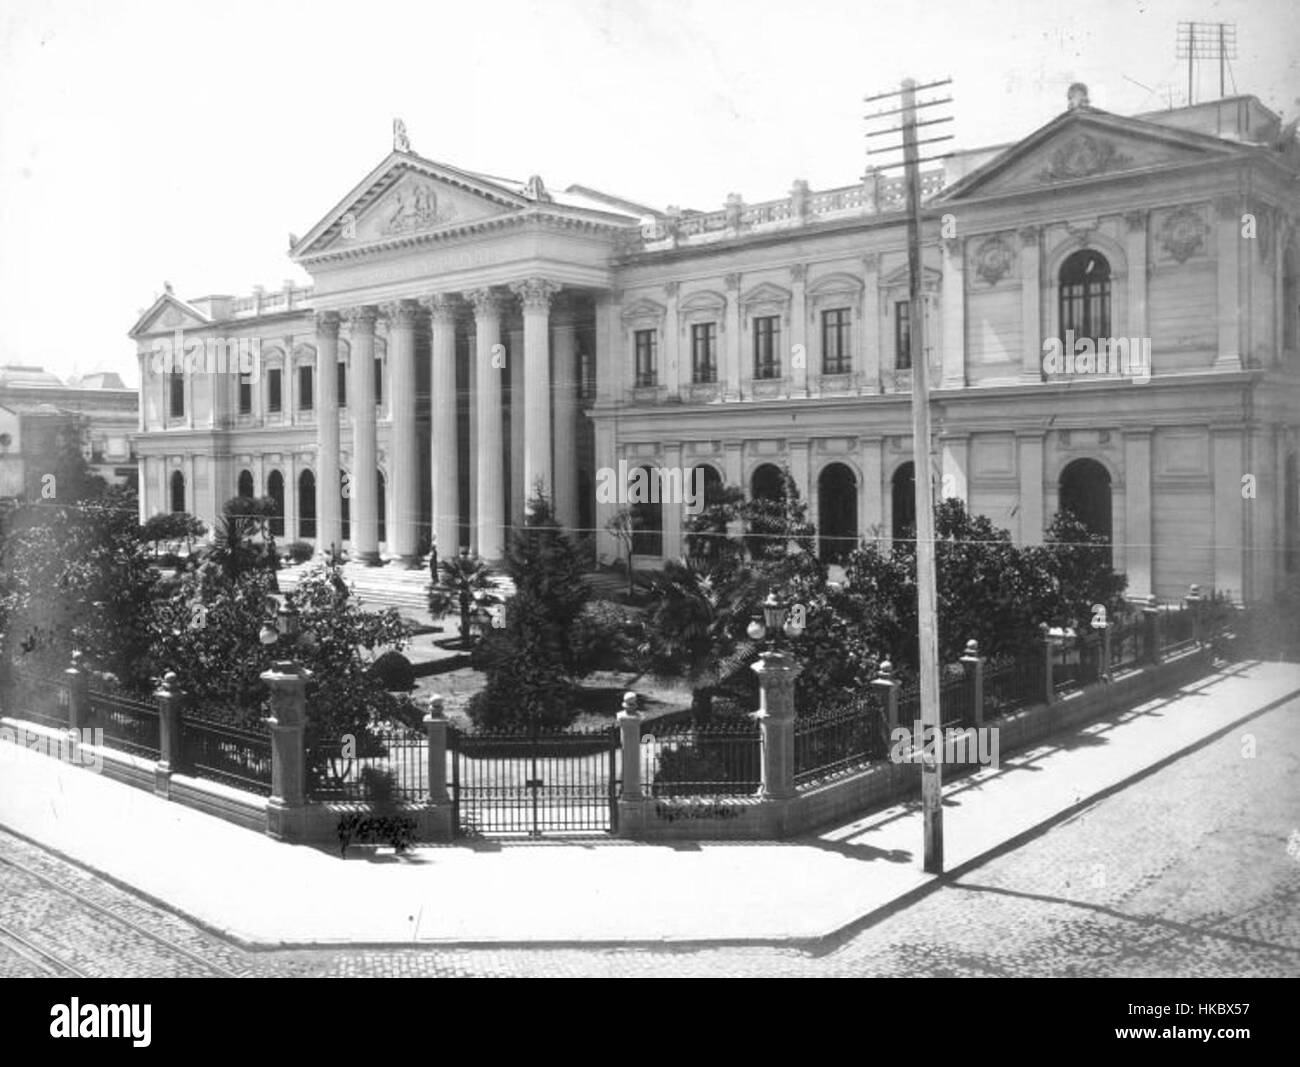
(535, 781)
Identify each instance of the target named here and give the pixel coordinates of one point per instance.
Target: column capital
(1136, 221)
(798, 272)
(361, 318)
(535, 293)
(954, 247)
(487, 302)
(441, 307)
(400, 312)
(732, 282)
(327, 323)
(1029, 236)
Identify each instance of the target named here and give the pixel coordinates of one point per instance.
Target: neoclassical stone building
(467, 338)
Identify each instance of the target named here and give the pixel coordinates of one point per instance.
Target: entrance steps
(388, 585)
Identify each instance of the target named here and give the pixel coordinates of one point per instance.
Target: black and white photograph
(650, 489)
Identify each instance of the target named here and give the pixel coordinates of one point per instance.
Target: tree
(172, 526)
(532, 660)
(623, 525)
(696, 623)
(1078, 564)
(234, 547)
(462, 582)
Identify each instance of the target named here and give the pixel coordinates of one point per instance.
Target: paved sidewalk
(261, 892)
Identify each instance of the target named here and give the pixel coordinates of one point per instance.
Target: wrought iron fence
(129, 725)
(1013, 685)
(957, 700)
(235, 755)
(720, 758)
(1127, 645)
(1177, 630)
(338, 770)
(35, 697)
(839, 740)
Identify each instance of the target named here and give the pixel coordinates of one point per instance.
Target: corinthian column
(444, 463)
(566, 424)
(535, 295)
(329, 530)
(361, 401)
(402, 540)
(489, 477)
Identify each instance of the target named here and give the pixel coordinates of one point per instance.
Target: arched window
(306, 504)
(381, 505)
(837, 512)
(648, 516)
(1085, 297)
(178, 491)
(903, 500)
(706, 531)
(275, 490)
(712, 483)
(245, 484)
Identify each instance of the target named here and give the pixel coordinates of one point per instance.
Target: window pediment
(837, 284)
(767, 294)
(644, 313)
(707, 302)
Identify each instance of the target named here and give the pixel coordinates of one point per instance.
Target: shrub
(393, 671)
(299, 552)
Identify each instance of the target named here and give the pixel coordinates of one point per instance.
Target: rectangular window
(379, 381)
(273, 389)
(704, 353)
(176, 397)
(902, 336)
(343, 385)
(837, 357)
(304, 388)
(245, 394)
(767, 336)
(647, 343)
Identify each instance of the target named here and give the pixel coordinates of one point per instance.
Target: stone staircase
(389, 585)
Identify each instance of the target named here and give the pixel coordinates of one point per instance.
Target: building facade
(36, 408)
(467, 339)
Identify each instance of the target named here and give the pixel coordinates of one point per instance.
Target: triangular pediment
(169, 313)
(1086, 145)
(407, 195)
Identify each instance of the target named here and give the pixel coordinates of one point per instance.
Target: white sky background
(184, 141)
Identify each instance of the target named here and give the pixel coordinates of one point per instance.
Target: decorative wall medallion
(415, 209)
(172, 317)
(1081, 157)
(993, 260)
(1183, 234)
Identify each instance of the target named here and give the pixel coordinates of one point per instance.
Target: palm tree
(462, 582)
(696, 623)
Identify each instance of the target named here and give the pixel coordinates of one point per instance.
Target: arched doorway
(766, 483)
(1085, 492)
(275, 490)
(647, 517)
(837, 512)
(178, 491)
(903, 502)
(1291, 517)
(711, 483)
(245, 484)
(307, 504)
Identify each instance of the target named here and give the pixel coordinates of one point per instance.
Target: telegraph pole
(927, 610)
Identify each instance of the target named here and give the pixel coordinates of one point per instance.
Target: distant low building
(36, 407)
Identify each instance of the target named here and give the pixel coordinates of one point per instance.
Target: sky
(182, 142)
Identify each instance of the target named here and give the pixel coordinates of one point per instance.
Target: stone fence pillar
(1151, 628)
(886, 687)
(629, 724)
(974, 664)
(285, 811)
(439, 801)
(171, 699)
(1049, 655)
(78, 696)
(776, 674)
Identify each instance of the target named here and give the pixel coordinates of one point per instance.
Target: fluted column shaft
(361, 402)
(405, 466)
(489, 477)
(444, 466)
(329, 527)
(535, 294)
(566, 425)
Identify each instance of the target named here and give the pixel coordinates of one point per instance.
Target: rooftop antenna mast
(1206, 40)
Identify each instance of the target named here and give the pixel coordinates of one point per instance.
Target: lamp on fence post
(776, 672)
(1194, 600)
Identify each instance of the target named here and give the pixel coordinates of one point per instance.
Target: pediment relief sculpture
(1081, 157)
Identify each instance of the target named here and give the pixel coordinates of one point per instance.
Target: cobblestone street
(1185, 873)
